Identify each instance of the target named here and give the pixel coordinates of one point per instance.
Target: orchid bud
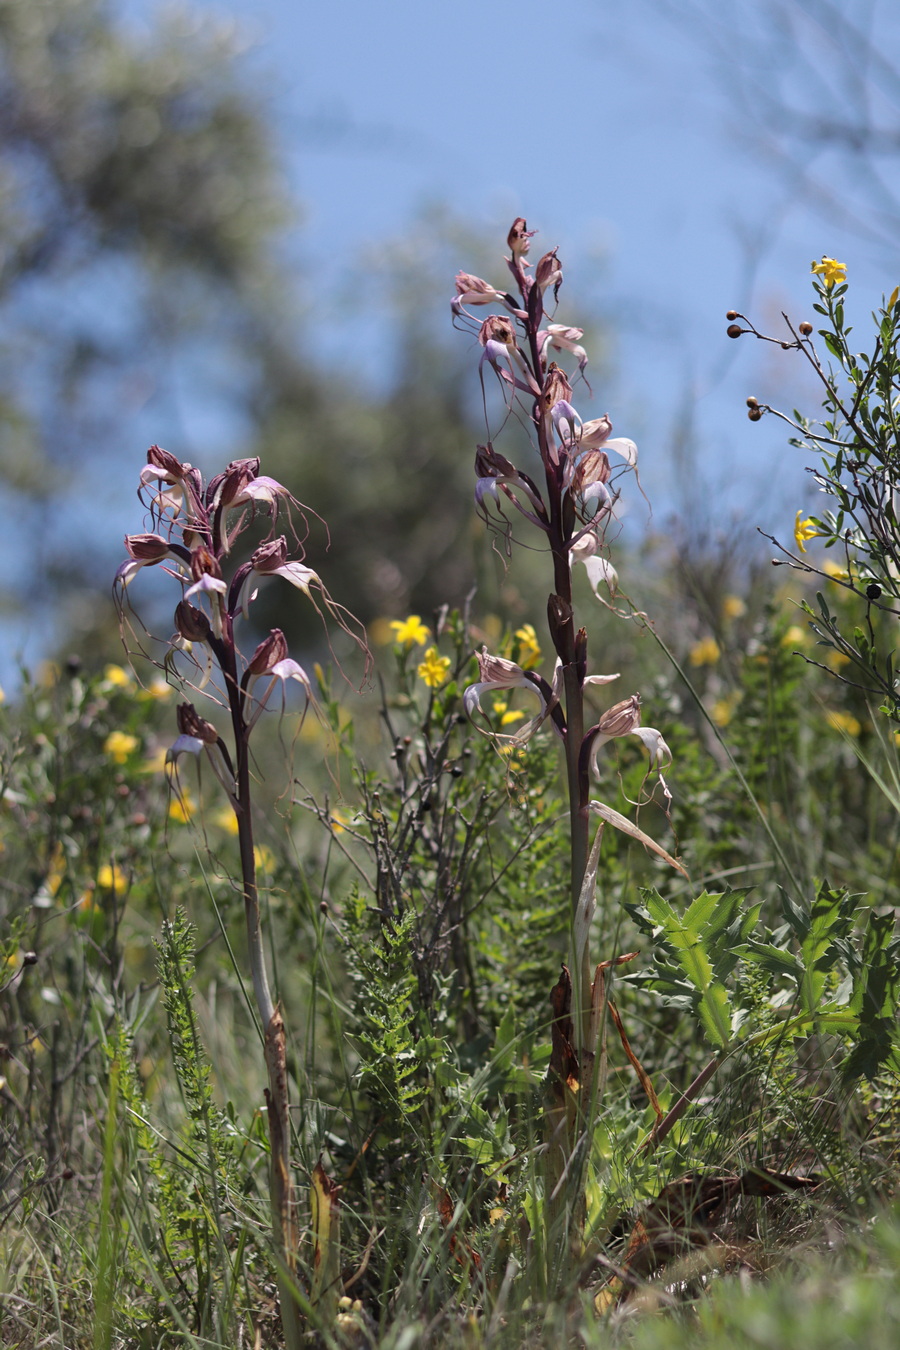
(270, 556)
(225, 487)
(170, 466)
(192, 623)
(556, 387)
(473, 291)
(490, 464)
(497, 328)
(270, 651)
(518, 241)
(549, 271)
(592, 467)
(190, 723)
(147, 548)
(622, 718)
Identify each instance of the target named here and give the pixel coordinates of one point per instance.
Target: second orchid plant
(568, 495)
(194, 528)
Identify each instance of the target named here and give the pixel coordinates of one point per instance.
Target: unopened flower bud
(490, 464)
(497, 328)
(755, 414)
(518, 241)
(192, 623)
(734, 330)
(556, 387)
(190, 723)
(549, 271)
(752, 402)
(474, 291)
(147, 548)
(806, 328)
(270, 651)
(161, 459)
(622, 718)
(270, 556)
(225, 487)
(732, 314)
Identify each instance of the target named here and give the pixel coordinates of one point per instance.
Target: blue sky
(612, 129)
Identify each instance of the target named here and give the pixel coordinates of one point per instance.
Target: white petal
(599, 570)
(622, 446)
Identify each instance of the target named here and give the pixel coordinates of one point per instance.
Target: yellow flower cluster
(843, 721)
(119, 746)
(529, 647)
(706, 652)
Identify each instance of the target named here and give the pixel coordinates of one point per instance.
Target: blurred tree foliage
(147, 293)
(139, 208)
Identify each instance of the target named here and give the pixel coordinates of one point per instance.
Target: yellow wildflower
(433, 669)
(795, 636)
(117, 675)
(733, 607)
(830, 271)
(843, 721)
(155, 763)
(181, 807)
(834, 571)
(264, 859)
(119, 745)
(529, 647)
(723, 708)
(835, 660)
(803, 530)
(379, 631)
(110, 877)
(509, 717)
(226, 820)
(706, 652)
(338, 822)
(411, 633)
(158, 690)
(57, 869)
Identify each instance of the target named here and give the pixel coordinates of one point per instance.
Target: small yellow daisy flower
(119, 746)
(830, 271)
(433, 669)
(706, 652)
(411, 633)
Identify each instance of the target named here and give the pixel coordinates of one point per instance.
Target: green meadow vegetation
(422, 994)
